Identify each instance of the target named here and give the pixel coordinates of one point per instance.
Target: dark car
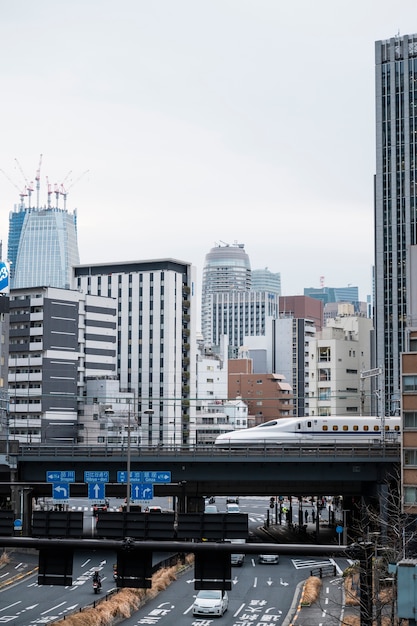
(101, 507)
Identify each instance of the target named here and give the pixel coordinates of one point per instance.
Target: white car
(268, 558)
(232, 508)
(210, 508)
(211, 602)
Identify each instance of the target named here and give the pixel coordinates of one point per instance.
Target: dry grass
(4, 559)
(311, 590)
(351, 589)
(354, 620)
(125, 602)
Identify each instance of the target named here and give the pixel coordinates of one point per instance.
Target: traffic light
(272, 503)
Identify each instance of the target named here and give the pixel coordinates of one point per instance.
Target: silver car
(211, 602)
(268, 558)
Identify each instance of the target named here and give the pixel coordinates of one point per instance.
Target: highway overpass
(331, 470)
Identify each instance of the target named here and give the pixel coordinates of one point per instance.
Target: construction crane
(49, 190)
(29, 185)
(64, 192)
(22, 194)
(38, 181)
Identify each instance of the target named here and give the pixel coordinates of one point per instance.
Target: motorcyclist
(96, 578)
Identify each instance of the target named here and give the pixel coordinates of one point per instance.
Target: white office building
(155, 341)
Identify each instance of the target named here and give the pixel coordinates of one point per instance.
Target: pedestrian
(306, 516)
(313, 516)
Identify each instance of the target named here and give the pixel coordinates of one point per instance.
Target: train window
(355, 427)
(324, 427)
(345, 427)
(335, 427)
(366, 427)
(376, 427)
(267, 424)
(397, 428)
(386, 428)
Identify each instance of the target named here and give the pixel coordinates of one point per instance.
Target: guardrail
(324, 570)
(391, 451)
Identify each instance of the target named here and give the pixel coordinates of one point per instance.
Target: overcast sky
(179, 124)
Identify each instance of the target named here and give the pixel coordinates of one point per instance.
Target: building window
(409, 383)
(324, 375)
(410, 457)
(410, 420)
(324, 354)
(410, 495)
(324, 393)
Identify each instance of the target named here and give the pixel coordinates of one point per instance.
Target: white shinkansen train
(314, 431)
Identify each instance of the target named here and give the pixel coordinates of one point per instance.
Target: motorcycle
(96, 586)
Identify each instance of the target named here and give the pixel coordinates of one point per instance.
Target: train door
(306, 430)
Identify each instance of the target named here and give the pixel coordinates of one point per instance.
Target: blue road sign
(96, 477)
(136, 477)
(60, 491)
(156, 477)
(4, 276)
(96, 491)
(141, 491)
(54, 476)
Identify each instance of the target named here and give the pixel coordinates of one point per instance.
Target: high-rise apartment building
(395, 203)
(58, 339)
(155, 341)
(42, 247)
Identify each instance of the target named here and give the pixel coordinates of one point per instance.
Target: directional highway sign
(145, 477)
(60, 491)
(141, 491)
(156, 477)
(96, 477)
(53, 476)
(96, 491)
(136, 477)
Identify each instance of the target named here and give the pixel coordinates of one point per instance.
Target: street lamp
(128, 462)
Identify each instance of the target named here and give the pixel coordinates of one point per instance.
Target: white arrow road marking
(269, 581)
(282, 582)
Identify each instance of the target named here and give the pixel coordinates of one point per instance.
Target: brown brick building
(268, 396)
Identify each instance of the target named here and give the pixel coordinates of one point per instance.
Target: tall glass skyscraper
(395, 203)
(265, 280)
(42, 247)
(226, 268)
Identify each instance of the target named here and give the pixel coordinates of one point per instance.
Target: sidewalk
(326, 611)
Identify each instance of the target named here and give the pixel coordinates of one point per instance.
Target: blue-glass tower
(42, 247)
